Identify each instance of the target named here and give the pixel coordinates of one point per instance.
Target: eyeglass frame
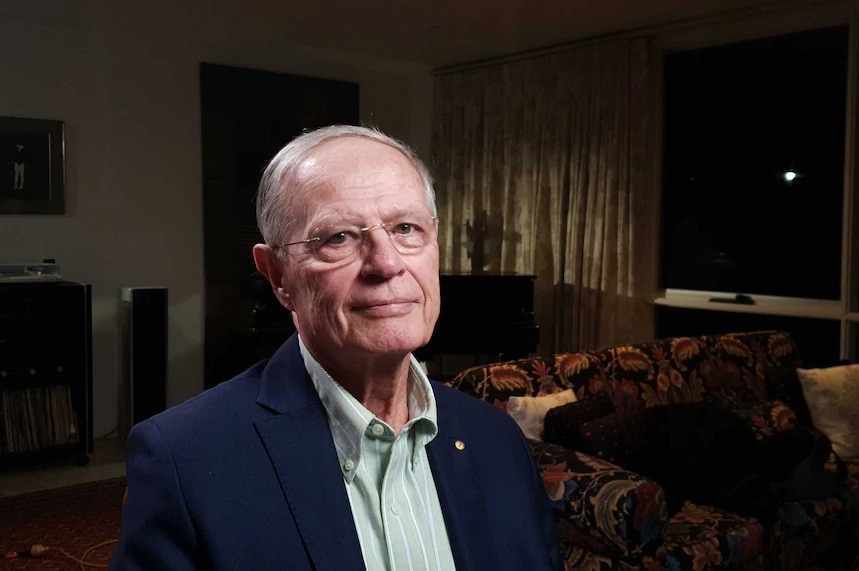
(365, 232)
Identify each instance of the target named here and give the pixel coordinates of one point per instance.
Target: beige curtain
(541, 169)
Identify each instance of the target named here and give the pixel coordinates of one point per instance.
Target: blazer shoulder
(221, 404)
(450, 400)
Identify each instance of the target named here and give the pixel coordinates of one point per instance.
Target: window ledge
(770, 305)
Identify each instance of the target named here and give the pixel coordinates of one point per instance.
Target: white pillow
(529, 412)
(833, 399)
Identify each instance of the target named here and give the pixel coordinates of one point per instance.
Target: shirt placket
(395, 507)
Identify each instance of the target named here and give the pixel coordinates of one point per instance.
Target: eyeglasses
(409, 234)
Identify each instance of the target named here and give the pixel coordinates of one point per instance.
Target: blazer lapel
(299, 443)
(459, 490)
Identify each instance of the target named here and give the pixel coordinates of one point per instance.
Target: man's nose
(380, 256)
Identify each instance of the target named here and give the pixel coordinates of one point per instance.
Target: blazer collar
(299, 444)
(457, 480)
(285, 382)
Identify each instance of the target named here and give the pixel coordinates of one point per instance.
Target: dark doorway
(247, 116)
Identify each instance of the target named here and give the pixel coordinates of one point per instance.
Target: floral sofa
(610, 517)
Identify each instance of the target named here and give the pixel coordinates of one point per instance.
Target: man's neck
(382, 387)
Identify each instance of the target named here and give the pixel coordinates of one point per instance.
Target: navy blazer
(245, 477)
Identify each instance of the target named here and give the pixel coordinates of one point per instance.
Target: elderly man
(338, 453)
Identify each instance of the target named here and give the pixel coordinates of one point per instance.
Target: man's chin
(391, 344)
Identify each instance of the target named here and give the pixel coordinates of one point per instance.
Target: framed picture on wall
(32, 170)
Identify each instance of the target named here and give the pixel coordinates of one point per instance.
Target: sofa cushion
(621, 437)
(562, 424)
(833, 399)
(529, 412)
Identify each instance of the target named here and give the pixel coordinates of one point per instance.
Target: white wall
(125, 82)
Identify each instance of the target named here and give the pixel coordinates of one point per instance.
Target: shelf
(45, 372)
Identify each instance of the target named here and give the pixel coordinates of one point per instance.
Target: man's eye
(337, 239)
(404, 228)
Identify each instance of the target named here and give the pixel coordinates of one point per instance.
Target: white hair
(281, 178)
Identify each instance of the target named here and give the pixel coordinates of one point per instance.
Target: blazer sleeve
(157, 532)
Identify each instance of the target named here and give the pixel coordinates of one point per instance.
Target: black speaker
(143, 355)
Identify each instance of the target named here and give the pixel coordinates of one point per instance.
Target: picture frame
(32, 166)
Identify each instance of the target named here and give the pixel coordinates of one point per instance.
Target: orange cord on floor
(39, 550)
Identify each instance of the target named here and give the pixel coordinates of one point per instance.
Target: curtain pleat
(541, 169)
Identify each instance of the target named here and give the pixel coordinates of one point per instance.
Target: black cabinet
(45, 372)
(485, 313)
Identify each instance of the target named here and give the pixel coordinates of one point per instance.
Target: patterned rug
(73, 519)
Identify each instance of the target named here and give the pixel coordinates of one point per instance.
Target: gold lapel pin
(460, 445)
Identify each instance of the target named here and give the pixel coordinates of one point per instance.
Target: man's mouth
(385, 308)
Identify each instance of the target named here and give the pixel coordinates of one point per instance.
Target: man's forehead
(335, 177)
(354, 161)
(350, 151)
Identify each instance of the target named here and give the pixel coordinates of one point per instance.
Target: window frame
(769, 22)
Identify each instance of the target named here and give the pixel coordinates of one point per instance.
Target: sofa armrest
(600, 506)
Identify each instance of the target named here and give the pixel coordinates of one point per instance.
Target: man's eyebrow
(402, 213)
(333, 218)
(399, 213)
(327, 220)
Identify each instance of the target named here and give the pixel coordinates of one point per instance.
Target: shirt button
(349, 465)
(377, 429)
(395, 509)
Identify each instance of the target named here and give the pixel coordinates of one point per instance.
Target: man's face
(379, 303)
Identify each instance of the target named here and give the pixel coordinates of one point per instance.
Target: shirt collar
(350, 420)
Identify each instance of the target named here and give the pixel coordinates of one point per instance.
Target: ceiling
(430, 33)
(439, 33)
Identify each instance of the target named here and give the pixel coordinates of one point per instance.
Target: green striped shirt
(388, 478)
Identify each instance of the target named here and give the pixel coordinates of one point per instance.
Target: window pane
(739, 119)
(818, 339)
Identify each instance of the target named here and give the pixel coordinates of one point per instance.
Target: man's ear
(271, 266)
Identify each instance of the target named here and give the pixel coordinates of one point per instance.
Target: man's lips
(387, 307)
(374, 303)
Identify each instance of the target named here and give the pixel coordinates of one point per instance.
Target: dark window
(738, 120)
